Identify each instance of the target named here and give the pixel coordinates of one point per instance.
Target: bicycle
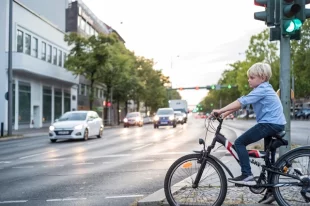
(287, 172)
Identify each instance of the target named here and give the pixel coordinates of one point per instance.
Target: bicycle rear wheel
(290, 195)
(179, 179)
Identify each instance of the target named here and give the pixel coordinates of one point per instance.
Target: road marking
(53, 166)
(37, 154)
(84, 163)
(55, 159)
(137, 148)
(123, 196)
(66, 199)
(5, 162)
(13, 201)
(23, 167)
(113, 155)
(143, 161)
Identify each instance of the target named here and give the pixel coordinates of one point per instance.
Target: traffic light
(229, 86)
(290, 23)
(304, 13)
(196, 88)
(180, 88)
(268, 15)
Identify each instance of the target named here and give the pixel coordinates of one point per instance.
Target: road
(125, 165)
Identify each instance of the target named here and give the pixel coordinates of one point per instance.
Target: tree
(89, 57)
(301, 62)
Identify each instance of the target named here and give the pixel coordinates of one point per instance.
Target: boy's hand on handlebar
(216, 113)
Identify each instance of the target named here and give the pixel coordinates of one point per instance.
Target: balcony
(24, 63)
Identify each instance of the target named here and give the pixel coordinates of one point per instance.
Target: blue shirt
(266, 104)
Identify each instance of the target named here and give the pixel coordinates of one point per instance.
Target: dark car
(165, 117)
(133, 119)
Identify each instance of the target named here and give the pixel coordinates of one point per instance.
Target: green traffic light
(229, 86)
(213, 87)
(292, 25)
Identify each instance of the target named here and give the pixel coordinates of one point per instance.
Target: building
(80, 19)
(42, 88)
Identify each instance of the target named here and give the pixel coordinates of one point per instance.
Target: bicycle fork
(200, 171)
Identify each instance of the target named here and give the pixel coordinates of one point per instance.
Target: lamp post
(10, 73)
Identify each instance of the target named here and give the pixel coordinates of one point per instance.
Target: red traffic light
(197, 88)
(109, 104)
(180, 88)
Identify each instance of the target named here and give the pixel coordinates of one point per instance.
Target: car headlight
(184, 115)
(137, 119)
(78, 127)
(125, 120)
(51, 128)
(156, 118)
(171, 117)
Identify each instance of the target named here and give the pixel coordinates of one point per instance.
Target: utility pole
(10, 73)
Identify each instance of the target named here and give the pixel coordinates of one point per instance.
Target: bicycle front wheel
(179, 190)
(290, 195)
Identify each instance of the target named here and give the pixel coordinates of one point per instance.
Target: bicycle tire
(293, 191)
(178, 189)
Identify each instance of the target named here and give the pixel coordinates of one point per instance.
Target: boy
(269, 116)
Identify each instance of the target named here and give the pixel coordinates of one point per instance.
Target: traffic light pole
(285, 88)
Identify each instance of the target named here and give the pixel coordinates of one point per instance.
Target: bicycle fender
(290, 152)
(222, 164)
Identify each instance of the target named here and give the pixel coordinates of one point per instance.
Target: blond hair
(262, 70)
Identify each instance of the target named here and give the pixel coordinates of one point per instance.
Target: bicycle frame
(220, 138)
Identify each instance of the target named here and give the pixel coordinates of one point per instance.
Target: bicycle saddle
(280, 135)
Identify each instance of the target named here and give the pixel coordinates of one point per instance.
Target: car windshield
(163, 112)
(181, 110)
(78, 116)
(132, 115)
(178, 114)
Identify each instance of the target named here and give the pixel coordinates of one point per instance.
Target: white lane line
(137, 148)
(23, 167)
(53, 165)
(37, 154)
(84, 163)
(143, 161)
(13, 201)
(65, 199)
(113, 155)
(123, 196)
(5, 162)
(55, 159)
(172, 153)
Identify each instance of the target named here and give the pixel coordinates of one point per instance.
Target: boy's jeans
(254, 134)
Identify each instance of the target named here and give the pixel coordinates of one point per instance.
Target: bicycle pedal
(239, 185)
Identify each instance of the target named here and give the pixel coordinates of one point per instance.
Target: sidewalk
(236, 196)
(36, 132)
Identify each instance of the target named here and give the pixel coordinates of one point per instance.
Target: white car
(76, 125)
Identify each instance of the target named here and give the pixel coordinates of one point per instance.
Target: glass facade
(57, 103)
(47, 104)
(24, 102)
(43, 51)
(67, 101)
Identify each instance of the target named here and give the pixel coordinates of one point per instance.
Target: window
(20, 41)
(83, 22)
(27, 44)
(55, 56)
(79, 21)
(65, 58)
(24, 102)
(82, 91)
(49, 54)
(67, 101)
(59, 58)
(57, 103)
(47, 104)
(43, 51)
(34, 47)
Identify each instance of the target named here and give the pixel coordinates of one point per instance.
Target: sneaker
(243, 180)
(267, 199)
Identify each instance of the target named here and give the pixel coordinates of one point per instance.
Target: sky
(192, 41)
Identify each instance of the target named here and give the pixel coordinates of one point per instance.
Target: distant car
(133, 119)
(165, 117)
(179, 117)
(76, 125)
